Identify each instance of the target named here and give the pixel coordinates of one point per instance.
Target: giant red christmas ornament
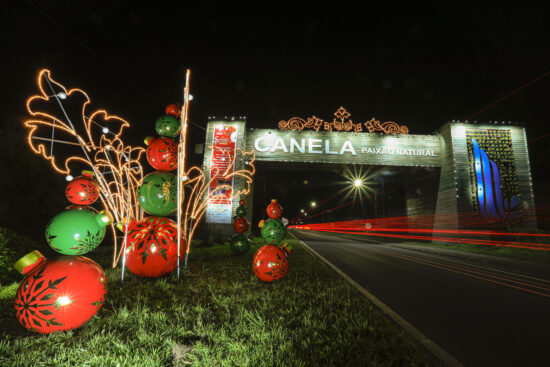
(83, 190)
(58, 295)
(162, 153)
(152, 247)
(173, 110)
(270, 263)
(274, 210)
(240, 225)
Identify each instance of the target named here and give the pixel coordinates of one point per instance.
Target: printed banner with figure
(224, 145)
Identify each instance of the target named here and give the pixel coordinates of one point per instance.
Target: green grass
(12, 247)
(220, 314)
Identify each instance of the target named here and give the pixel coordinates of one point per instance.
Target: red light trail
(420, 228)
(511, 280)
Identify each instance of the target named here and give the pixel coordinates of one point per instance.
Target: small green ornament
(77, 231)
(158, 193)
(239, 244)
(241, 211)
(167, 126)
(273, 231)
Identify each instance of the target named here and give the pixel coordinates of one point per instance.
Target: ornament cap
(273, 200)
(28, 262)
(261, 223)
(148, 139)
(287, 248)
(88, 173)
(104, 218)
(124, 222)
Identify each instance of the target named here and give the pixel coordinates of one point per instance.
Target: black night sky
(420, 64)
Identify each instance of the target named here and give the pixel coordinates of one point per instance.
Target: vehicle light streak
(473, 275)
(473, 241)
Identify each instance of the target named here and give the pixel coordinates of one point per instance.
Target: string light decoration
(192, 206)
(116, 166)
(199, 196)
(341, 122)
(92, 139)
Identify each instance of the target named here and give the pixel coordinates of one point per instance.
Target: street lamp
(358, 183)
(313, 204)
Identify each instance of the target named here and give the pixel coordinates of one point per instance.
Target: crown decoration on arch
(342, 122)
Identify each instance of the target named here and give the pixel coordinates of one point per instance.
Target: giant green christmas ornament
(241, 211)
(158, 193)
(239, 244)
(273, 231)
(77, 231)
(168, 126)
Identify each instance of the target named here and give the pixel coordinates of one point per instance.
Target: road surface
(483, 311)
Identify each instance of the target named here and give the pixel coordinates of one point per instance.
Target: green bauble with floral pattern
(168, 126)
(239, 244)
(158, 194)
(77, 231)
(241, 211)
(273, 231)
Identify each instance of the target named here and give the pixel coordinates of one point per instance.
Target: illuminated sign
(321, 146)
(222, 164)
(331, 147)
(342, 122)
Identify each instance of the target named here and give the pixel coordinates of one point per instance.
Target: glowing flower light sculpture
(90, 140)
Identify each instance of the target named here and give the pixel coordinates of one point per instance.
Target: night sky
(419, 65)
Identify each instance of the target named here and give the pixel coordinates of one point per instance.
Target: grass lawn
(219, 314)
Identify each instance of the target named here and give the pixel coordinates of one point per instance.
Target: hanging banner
(224, 143)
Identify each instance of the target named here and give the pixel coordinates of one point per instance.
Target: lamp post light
(313, 204)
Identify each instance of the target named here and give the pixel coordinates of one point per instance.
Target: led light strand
(181, 164)
(341, 122)
(117, 174)
(198, 198)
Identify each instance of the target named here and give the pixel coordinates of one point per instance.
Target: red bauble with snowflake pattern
(162, 153)
(270, 263)
(173, 110)
(152, 248)
(240, 225)
(83, 190)
(60, 294)
(274, 210)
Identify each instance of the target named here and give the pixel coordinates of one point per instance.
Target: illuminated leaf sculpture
(198, 197)
(86, 138)
(92, 138)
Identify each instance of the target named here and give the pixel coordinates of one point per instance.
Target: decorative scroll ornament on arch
(341, 122)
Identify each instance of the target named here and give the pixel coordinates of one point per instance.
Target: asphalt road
(483, 311)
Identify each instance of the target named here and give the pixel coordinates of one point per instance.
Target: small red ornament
(270, 263)
(241, 202)
(173, 110)
(162, 153)
(152, 248)
(274, 210)
(58, 295)
(240, 225)
(83, 190)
